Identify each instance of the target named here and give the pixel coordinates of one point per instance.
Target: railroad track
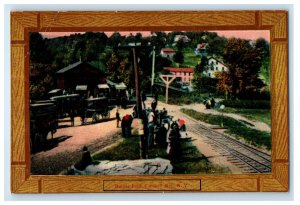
(249, 159)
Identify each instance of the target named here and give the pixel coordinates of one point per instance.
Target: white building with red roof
(167, 52)
(183, 75)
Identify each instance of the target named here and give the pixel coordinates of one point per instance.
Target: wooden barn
(79, 73)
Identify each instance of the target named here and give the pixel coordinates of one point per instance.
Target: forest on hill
(245, 58)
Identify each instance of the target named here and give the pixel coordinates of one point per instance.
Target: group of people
(210, 103)
(159, 128)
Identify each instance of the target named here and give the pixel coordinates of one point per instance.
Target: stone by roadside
(128, 167)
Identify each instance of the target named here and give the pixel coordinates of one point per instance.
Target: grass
(184, 98)
(190, 162)
(190, 59)
(127, 149)
(234, 127)
(262, 115)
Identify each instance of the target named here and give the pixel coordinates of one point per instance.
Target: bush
(250, 104)
(177, 98)
(263, 95)
(209, 85)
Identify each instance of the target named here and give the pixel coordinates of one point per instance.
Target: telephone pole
(167, 79)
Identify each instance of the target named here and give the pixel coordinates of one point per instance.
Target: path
(65, 148)
(201, 108)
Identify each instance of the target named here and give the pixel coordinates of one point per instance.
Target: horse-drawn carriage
(96, 108)
(43, 119)
(68, 106)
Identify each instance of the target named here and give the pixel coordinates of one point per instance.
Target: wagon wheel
(106, 114)
(35, 141)
(95, 117)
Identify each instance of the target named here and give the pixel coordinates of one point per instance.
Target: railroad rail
(249, 159)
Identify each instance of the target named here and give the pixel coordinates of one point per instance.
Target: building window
(217, 62)
(216, 68)
(209, 74)
(212, 68)
(222, 68)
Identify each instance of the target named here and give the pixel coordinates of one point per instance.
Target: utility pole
(153, 67)
(140, 115)
(167, 79)
(137, 85)
(143, 137)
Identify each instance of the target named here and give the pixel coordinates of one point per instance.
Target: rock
(128, 167)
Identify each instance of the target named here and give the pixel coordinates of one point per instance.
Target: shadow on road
(50, 144)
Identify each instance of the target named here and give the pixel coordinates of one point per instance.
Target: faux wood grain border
(24, 22)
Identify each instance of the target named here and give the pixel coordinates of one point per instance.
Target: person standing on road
(118, 117)
(151, 120)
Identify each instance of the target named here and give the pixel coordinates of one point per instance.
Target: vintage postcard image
(150, 102)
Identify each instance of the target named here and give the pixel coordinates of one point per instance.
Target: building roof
(179, 70)
(81, 87)
(54, 91)
(103, 86)
(77, 64)
(118, 86)
(69, 67)
(202, 46)
(211, 57)
(168, 50)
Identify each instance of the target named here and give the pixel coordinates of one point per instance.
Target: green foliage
(41, 80)
(127, 149)
(119, 69)
(38, 49)
(234, 127)
(244, 61)
(248, 104)
(184, 98)
(262, 115)
(96, 48)
(180, 45)
(161, 62)
(197, 77)
(159, 40)
(216, 44)
(178, 57)
(190, 59)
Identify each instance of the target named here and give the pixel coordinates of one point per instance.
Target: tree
(119, 69)
(198, 73)
(244, 61)
(224, 83)
(41, 80)
(178, 57)
(115, 39)
(216, 45)
(180, 45)
(159, 40)
(263, 46)
(38, 49)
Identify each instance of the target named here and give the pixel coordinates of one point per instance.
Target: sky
(244, 34)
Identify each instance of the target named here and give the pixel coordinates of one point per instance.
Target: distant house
(183, 75)
(184, 38)
(167, 52)
(201, 49)
(79, 74)
(214, 66)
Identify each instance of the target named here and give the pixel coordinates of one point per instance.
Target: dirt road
(65, 148)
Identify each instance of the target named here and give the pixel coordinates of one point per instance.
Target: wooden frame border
(24, 22)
